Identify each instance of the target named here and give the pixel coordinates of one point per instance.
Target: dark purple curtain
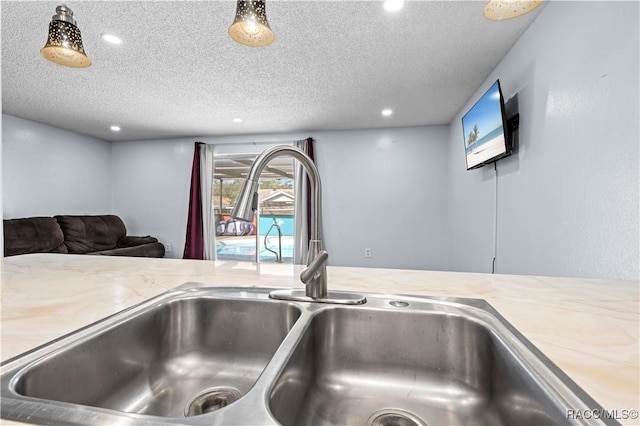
(309, 195)
(194, 242)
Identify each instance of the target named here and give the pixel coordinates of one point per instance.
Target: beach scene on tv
(482, 126)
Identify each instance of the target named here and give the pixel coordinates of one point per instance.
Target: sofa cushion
(85, 234)
(33, 235)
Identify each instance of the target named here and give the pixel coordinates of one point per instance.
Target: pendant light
(64, 44)
(499, 10)
(251, 27)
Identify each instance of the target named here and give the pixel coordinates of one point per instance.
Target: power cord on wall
(495, 219)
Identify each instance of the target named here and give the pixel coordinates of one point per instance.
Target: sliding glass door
(269, 238)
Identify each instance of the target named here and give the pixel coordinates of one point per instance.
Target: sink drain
(211, 399)
(394, 417)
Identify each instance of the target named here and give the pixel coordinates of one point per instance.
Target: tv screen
(485, 129)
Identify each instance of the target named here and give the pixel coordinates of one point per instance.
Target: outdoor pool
(244, 248)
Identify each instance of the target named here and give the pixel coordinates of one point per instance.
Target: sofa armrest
(130, 241)
(32, 235)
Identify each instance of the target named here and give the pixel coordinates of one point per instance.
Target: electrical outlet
(167, 247)
(367, 252)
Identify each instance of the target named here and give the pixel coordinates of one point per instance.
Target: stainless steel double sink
(202, 355)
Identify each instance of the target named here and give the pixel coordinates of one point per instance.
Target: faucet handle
(307, 274)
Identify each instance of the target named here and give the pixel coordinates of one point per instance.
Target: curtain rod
(258, 143)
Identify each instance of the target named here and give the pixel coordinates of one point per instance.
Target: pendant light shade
(251, 27)
(64, 44)
(499, 10)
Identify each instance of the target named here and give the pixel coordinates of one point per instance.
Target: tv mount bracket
(514, 122)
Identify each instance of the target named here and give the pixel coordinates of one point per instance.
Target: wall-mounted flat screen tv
(486, 138)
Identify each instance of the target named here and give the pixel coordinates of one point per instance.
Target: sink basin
(157, 362)
(355, 366)
(200, 355)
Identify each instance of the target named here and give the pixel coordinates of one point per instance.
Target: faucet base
(335, 297)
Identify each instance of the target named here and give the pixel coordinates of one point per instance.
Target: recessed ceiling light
(115, 128)
(237, 120)
(110, 38)
(393, 5)
(387, 112)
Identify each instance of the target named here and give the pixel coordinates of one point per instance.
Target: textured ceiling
(334, 65)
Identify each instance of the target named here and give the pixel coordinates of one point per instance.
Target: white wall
(383, 189)
(48, 171)
(386, 190)
(151, 181)
(568, 200)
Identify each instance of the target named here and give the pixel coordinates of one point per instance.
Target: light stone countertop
(589, 328)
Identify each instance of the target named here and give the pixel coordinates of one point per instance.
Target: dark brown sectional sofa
(98, 234)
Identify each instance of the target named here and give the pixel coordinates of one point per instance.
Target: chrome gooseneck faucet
(314, 276)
